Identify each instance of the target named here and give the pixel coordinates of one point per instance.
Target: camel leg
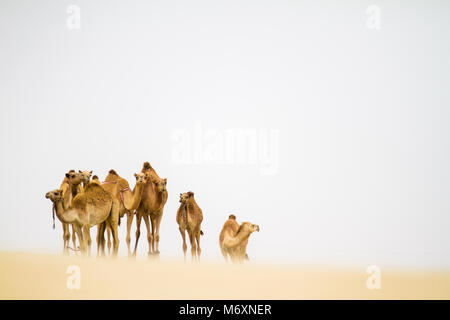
(79, 233)
(129, 223)
(101, 238)
(183, 235)
(149, 235)
(108, 235)
(84, 247)
(138, 231)
(115, 237)
(224, 253)
(114, 223)
(193, 246)
(199, 250)
(99, 226)
(242, 254)
(156, 235)
(74, 239)
(88, 240)
(66, 237)
(232, 254)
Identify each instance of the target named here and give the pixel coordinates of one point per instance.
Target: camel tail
(53, 211)
(246, 257)
(201, 232)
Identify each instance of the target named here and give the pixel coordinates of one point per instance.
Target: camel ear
(135, 175)
(190, 193)
(90, 172)
(79, 171)
(165, 180)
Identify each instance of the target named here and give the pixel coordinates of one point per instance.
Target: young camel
(233, 239)
(189, 218)
(154, 197)
(89, 208)
(129, 200)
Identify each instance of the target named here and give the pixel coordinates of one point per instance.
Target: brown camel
(91, 207)
(154, 198)
(189, 218)
(70, 187)
(128, 199)
(233, 239)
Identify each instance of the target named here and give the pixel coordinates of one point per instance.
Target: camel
(154, 197)
(70, 188)
(233, 239)
(91, 207)
(189, 218)
(129, 200)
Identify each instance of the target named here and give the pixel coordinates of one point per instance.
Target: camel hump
(147, 166)
(201, 232)
(94, 187)
(122, 183)
(232, 216)
(112, 171)
(94, 181)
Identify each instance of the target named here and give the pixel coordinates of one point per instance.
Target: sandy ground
(41, 276)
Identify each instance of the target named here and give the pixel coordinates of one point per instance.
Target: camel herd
(82, 202)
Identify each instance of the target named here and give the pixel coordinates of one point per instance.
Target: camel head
(85, 176)
(184, 197)
(160, 184)
(55, 195)
(141, 178)
(74, 177)
(248, 227)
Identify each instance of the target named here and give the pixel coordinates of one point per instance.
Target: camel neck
(132, 199)
(74, 189)
(138, 189)
(62, 214)
(234, 241)
(191, 204)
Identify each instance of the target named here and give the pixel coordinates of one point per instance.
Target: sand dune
(42, 276)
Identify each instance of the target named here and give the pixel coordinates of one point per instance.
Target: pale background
(362, 115)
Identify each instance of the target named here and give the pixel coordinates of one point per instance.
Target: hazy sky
(347, 127)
